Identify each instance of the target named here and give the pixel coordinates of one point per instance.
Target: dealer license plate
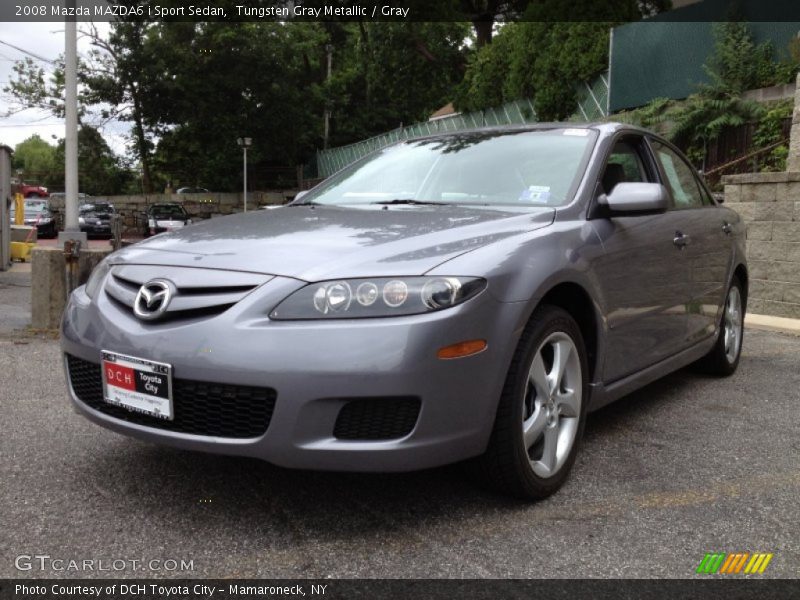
(138, 384)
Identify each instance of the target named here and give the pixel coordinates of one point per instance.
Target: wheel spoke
(538, 376)
(561, 352)
(568, 403)
(550, 446)
(533, 427)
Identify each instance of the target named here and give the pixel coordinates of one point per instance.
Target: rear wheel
(542, 410)
(723, 359)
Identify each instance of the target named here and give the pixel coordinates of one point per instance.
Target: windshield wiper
(405, 201)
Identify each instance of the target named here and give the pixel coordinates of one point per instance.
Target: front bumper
(101, 229)
(316, 368)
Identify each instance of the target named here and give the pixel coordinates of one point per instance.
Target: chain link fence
(592, 106)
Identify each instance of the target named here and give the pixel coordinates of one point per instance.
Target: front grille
(377, 418)
(200, 408)
(197, 292)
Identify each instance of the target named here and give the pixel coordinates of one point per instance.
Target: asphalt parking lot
(686, 466)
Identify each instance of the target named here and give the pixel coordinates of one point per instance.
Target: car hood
(314, 243)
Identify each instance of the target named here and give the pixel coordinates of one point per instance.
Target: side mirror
(635, 198)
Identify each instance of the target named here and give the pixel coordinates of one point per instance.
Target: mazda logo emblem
(153, 299)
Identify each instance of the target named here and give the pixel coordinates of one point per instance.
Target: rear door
(708, 241)
(642, 274)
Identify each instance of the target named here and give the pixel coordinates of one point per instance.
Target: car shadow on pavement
(241, 494)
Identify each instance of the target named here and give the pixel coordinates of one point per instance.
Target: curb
(769, 323)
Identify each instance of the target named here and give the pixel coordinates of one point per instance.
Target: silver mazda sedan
(467, 296)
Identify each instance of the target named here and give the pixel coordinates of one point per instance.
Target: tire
(723, 359)
(535, 464)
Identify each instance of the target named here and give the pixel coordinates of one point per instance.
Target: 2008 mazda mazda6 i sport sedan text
(461, 296)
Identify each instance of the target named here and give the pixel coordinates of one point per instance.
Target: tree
(546, 54)
(738, 64)
(386, 74)
(229, 80)
(119, 76)
(125, 75)
(35, 157)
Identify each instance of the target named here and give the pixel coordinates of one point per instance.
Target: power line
(29, 53)
(35, 125)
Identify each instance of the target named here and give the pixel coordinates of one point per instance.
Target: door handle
(681, 240)
(727, 228)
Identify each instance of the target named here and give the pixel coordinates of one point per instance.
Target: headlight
(378, 297)
(96, 278)
(81, 221)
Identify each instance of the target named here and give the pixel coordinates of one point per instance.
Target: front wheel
(542, 409)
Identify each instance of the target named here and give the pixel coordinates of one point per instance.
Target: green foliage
(546, 55)
(738, 64)
(385, 74)
(542, 61)
(705, 115)
(35, 157)
(770, 131)
(100, 170)
(227, 81)
(653, 115)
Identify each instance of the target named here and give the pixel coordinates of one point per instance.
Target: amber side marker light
(462, 349)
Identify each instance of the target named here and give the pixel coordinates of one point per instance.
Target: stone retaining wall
(199, 206)
(769, 203)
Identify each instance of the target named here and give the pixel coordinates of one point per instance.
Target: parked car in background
(159, 218)
(33, 191)
(81, 195)
(95, 218)
(37, 213)
(191, 190)
(465, 296)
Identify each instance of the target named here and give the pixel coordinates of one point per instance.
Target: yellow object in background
(21, 251)
(19, 209)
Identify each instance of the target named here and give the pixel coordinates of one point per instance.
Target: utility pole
(244, 144)
(327, 117)
(71, 228)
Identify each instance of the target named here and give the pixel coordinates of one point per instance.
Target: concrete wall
(772, 93)
(769, 203)
(5, 199)
(199, 206)
(49, 282)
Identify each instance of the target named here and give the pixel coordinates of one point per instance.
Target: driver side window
(624, 165)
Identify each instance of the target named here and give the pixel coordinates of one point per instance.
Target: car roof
(605, 128)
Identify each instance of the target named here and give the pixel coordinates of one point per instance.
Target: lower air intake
(377, 418)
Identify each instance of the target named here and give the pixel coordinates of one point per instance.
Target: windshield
(525, 168)
(97, 208)
(34, 207)
(167, 211)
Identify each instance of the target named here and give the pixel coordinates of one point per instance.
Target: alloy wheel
(733, 324)
(552, 406)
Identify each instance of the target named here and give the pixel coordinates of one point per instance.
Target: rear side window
(680, 178)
